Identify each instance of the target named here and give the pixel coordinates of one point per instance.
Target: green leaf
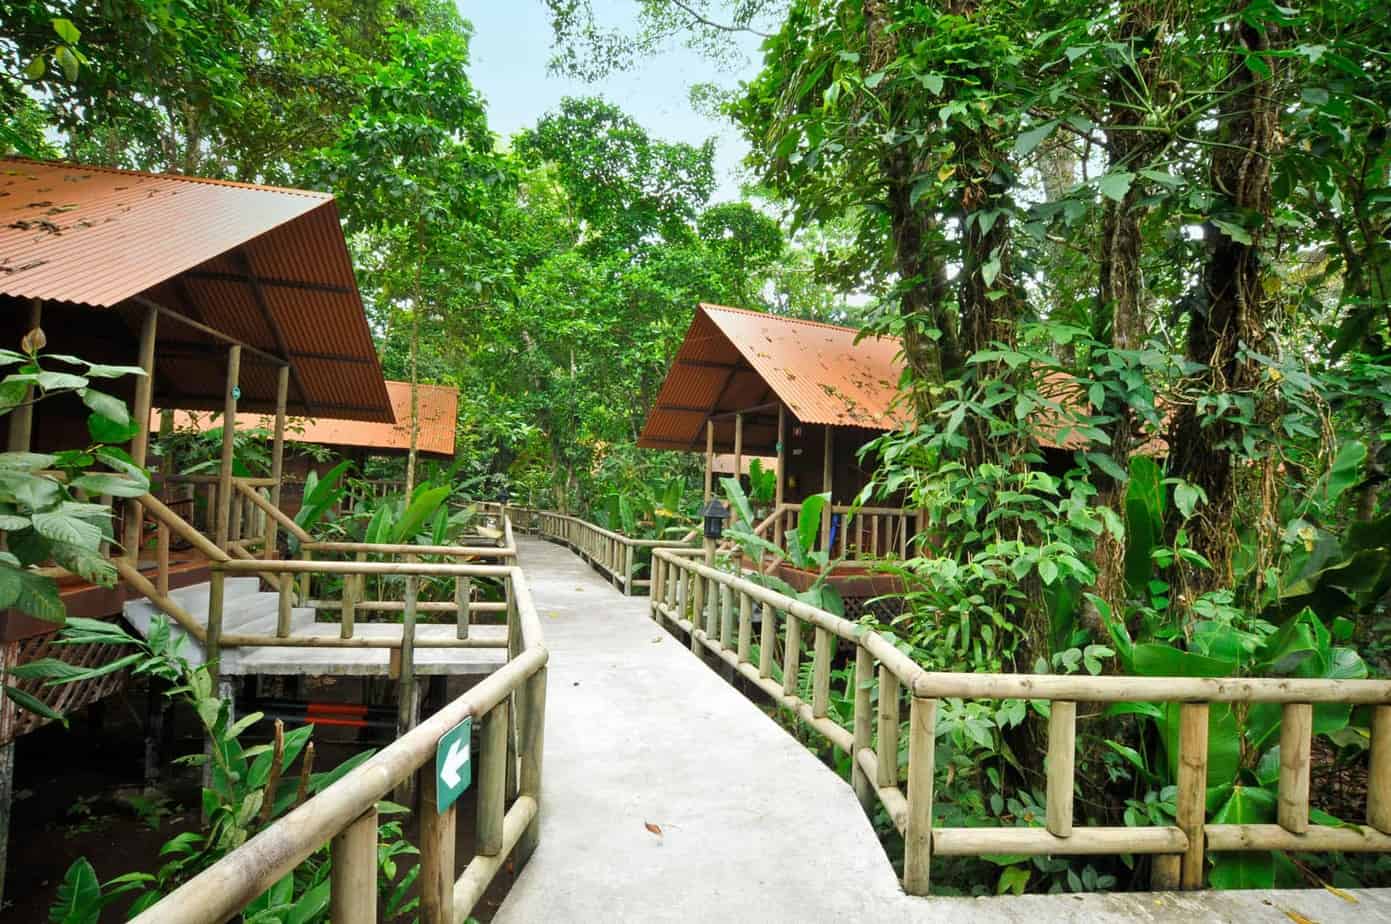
(1114, 186)
(67, 61)
(36, 492)
(33, 704)
(79, 896)
(1247, 805)
(26, 461)
(421, 508)
(108, 406)
(35, 68)
(1346, 470)
(62, 527)
(66, 31)
(97, 484)
(1233, 231)
(1032, 138)
(809, 520)
(1186, 497)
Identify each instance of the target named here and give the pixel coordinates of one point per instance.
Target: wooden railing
(612, 554)
(344, 815)
(859, 533)
(717, 609)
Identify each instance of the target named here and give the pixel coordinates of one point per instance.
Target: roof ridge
(180, 177)
(786, 319)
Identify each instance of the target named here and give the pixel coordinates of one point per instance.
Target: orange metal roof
(734, 359)
(439, 408)
(737, 360)
(266, 266)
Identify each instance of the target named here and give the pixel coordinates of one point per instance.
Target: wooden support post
(827, 475)
(304, 579)
(1296, 746)
(492, 778)
(709, 459)
(437, 862)
(463, 598)
(1062, 756)
(821, 673)
(917, 839)
(739, 449)
(792, 655)
(629, 563)
(1192, 789)
(353, 875)
(22, 417)
(745, 627)
(217, 580)
(863, 727)
(140, 443)
(767, 641)
(277, 463)
(533, 735)
(887, 748)
(779, 484)
(1379, 774)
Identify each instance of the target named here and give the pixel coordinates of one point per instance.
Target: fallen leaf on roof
(653, 828)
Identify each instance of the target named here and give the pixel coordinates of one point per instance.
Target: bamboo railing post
(697, 609)
(709, 459)
(863, 727)
(1192, 789)
(304, 579)
(463, 598)
(284, 605)
(1062, 755)
(348, 608)
(533, 734)
(1296, 745)
(792, 655)
(437, 863)
(745, 627)
(713, 597)
(726, 617)
(628, 564)
(406, 698)
(492, 778)
(1379, 773)
(917, 838)
(821, 673)
(767, 641)
(353, 874)
(887, 745)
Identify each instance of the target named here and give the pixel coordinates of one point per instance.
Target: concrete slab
(754, 827)
(249, 611)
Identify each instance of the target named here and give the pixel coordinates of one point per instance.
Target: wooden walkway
(640, 733)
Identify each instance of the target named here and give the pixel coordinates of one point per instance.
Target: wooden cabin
(230, 296)
(808, 394)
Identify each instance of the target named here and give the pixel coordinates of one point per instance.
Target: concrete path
(753, 827)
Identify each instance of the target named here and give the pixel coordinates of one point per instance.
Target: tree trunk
(1236, 310)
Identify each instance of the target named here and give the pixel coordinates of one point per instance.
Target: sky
(512, 44)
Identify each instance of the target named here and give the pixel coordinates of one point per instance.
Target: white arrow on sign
(454, 761)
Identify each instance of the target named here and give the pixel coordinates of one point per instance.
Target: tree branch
(722, 27)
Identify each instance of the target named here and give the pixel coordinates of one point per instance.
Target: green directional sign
(453, 772)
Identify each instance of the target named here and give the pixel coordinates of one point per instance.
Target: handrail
(611, 553)
(344, 815)
(715, 608)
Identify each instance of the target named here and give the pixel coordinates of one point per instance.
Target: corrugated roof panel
(733, 359)
(439, 408)
(99, 237)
